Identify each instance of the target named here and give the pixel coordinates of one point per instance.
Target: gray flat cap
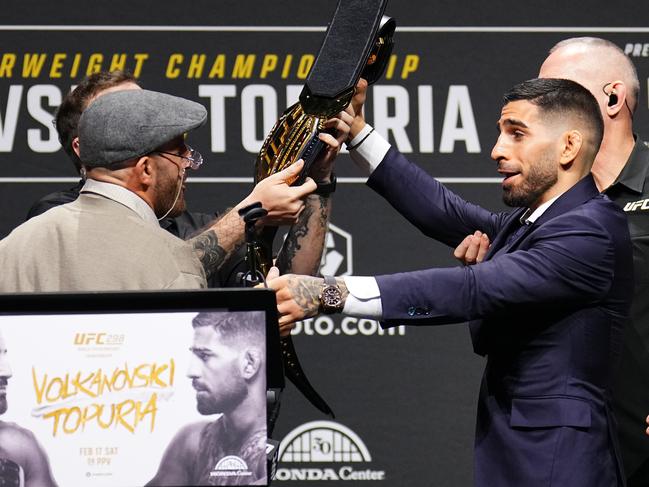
(126, 124)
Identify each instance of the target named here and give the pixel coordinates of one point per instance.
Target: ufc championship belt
(358, 42)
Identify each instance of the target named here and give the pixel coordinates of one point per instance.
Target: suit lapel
(584, 190)
(511, 226)
(581, 192)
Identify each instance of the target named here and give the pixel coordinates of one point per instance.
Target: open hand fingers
(483, 247)
(290, 173)
(473, 249)
(273, 273)
(360, 93)
(285, 329)
(471, 255)
(289, 311)
(460, 251)
(330, 140)
(340, 126)
(306, 188)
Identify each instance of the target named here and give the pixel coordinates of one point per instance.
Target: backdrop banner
(404, 399)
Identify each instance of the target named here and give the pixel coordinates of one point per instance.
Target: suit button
(411, 311)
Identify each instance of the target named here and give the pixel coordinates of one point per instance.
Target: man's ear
(75, 146)
(145, 170)
(251, 363)
(571, 144)
(617, 94)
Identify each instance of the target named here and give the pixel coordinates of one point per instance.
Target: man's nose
(5, 368)
(498, 151)
(193, 369)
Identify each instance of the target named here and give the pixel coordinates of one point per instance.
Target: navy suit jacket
(547, 308)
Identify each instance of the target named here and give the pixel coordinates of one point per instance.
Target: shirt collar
(123, 196)
(529, 216)
(634, 172)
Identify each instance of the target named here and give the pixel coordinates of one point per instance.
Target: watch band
(325, 189)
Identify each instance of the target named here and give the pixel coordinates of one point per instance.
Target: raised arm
(570, 261)
(302, 250)
(283, 202)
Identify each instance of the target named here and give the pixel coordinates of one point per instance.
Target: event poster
(129, 399)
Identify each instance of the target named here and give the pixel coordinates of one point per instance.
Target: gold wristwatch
(331, 296)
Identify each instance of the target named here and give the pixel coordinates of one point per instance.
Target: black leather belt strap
(358, 43)
(296, 375)
(344, 53)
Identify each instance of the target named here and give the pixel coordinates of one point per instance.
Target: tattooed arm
(215, 245)
(298, 297)
(283, 202)
(304, 244)
(302, 250)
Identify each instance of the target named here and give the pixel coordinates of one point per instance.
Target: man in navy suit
(547, 305)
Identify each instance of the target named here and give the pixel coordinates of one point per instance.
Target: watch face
(331, 298)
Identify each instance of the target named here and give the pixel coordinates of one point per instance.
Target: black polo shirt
(55, 199)
(631, 382)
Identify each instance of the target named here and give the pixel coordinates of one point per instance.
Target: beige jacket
(94, 244)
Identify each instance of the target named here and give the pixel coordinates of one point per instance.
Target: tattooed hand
(283, 202)
(298, 297)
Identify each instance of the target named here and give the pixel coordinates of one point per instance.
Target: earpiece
(612, 99)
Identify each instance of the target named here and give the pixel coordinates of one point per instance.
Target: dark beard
(3, 395)
(228, 400)
(540, 178)
(167, 199)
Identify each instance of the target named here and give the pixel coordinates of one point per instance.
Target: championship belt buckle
(330, 85)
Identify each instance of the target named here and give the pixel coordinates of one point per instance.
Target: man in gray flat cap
(132, 144)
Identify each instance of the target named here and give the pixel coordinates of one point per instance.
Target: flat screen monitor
(137, 388)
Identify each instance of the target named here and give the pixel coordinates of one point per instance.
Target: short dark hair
(74, 103)
(563, 98)
(236, 327)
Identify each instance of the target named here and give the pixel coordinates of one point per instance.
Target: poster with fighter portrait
(162, 398)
